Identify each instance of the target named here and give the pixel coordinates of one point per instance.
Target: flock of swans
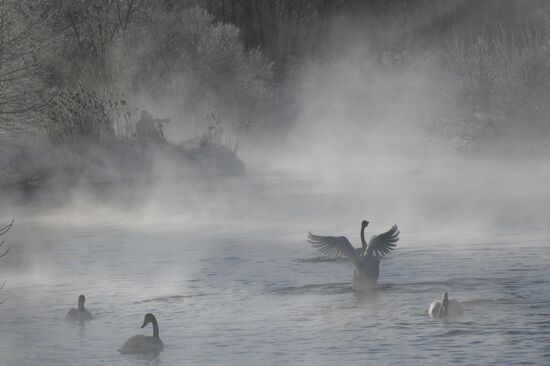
(366, 270)
(366, 263)
(136, 344)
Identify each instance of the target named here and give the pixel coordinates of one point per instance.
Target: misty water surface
(240, 285)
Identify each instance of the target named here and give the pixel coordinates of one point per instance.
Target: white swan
(365, 260)
(444, 307)
(80, 313)
(144, 344)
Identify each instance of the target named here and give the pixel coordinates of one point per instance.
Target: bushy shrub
(216, 132)
(23, 74)
(189, 59)
(81, 115)
(500, 90)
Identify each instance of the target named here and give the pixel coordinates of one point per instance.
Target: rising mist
(170, 157)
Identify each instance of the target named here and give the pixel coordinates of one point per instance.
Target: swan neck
(445, 304)
(155, 328)
(363, 241)
(443, 308)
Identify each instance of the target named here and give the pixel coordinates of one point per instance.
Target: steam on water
(431, 116)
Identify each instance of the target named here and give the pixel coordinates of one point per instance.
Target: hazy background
(418, 103)
(429, 114)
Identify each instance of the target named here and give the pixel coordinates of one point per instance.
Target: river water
(241, 286)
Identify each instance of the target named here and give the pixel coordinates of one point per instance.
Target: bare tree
(500, 90)
(91, 26)
(22, 92)
(4, 251)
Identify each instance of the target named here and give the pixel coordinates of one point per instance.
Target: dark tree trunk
(248, 20)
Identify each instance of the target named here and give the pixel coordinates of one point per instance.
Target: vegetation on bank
(77, 73)
(3, 250)
(91, 139)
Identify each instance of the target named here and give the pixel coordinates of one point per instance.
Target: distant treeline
(289, 29)
(239, 58)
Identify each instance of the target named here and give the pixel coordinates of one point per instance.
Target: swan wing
(454, 307)
(72, 314)
(335, 246)
(433, 311)
(384, 243)
(141, 344)
(75, 314)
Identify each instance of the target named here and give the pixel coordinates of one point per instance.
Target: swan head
(81, 301)
(149, 318)
(364, 224)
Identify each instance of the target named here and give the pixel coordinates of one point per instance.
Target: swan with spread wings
(365, 260)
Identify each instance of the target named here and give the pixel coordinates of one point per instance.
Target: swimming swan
(144, 344)
(365, 260)
(80, 313)
(444, 307)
